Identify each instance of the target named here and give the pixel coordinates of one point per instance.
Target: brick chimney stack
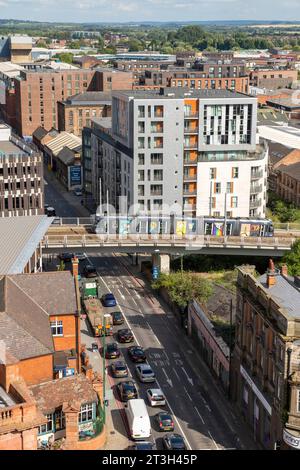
(75, 265)
(271, 280)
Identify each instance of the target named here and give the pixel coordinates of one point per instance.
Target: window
(56, 328)
(86, 413)
(217, 188)
(229, 187)
(158, 175)
(212, 173)
(156, 158)
(141, 159)
(141, 175)
(47, 427)
(234, 201)
(141, 142)
(298, 401)
(141, 111)
(60, 422)
(141, 127)
(235, 172)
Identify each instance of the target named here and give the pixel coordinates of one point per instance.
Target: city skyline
(151, 10)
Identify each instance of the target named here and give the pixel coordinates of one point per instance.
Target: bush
(292, 259)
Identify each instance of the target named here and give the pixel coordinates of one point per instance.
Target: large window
(47, 427)
(57, 328)
(86, 413)
(60, 422)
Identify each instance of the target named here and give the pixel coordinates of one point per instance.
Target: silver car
(145, 373)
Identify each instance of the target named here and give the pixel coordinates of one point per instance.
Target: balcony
(190, 145)
(256, 174)
(190, 177)
(191, 115)
(255, 189)
(188, 192)
(191, 130)
(255, 204)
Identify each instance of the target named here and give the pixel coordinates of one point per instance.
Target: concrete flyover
(68, 239)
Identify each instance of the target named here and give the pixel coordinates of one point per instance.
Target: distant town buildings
(194, 148)
(16, 48)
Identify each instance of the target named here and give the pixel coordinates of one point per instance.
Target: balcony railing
(187, 192)
(191, 115)
(256, 174)
(191, 145)
(190, 130)
(190, 177)
(156, 193)
(256, 189)
(255, 204)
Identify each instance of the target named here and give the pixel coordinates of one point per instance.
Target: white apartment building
(195, 149)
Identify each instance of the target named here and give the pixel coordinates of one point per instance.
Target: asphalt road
(199, 410)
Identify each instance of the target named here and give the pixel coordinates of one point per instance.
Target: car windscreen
(147, 372)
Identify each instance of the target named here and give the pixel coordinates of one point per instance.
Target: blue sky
(145, 10)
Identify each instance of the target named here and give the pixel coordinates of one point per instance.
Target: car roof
(155, 391)
(144, 366)
(120, 363)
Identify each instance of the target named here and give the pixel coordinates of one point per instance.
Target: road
(198, 407)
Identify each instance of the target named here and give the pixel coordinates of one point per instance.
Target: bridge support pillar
(162, 262)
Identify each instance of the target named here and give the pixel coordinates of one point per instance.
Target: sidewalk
(116, 432)
(70, 198)
(242, 433)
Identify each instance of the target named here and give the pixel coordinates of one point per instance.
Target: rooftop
(64, 139)
(19, 237)
(288, 102)
(285, 135)
(181, 93)
(51, 395)
(285, 292)
(89, 97)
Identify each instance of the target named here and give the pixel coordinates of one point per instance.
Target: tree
(184, 287)
(292, 259)
(66, 57)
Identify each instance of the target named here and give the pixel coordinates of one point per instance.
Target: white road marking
(174, 370)
(213, 440)
(199, 414)
(123, 296)
(188, 394)
(189, 378)
(168, 379)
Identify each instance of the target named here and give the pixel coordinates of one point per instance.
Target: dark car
(119, 369)
(90, 271)
(118, 318)
(136, 354)
(164, 421)
(66, 257)
(112, 351)
(127, 390)
(109, 300)
(173, 442)
(125, 336)
(143, 445)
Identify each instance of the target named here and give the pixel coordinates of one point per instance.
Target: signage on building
(75, 175)
(256, 391)
(291, 440)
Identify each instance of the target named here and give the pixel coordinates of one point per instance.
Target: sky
(149, 10)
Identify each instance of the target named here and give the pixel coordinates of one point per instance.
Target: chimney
(75, 264)
(271, 281)
(284, 270)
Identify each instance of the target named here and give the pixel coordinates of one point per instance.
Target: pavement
(65, 203)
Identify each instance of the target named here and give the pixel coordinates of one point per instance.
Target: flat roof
(285, 135)
(7, 147)
(172, 93)
(19, 237)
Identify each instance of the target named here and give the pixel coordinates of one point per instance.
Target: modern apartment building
(21, 177)
(265, 366)
(38, 91)
(77, 111)
(193, 148)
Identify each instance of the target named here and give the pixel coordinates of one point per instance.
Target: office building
(21, 177)
(193, 148)
(265, 377)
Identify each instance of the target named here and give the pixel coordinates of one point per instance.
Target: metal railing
(254, 204)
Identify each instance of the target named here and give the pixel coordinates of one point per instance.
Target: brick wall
(37, 370)
(68, 340)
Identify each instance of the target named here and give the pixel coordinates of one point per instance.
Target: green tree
(61, 266)
(184, 287)
(66, 57)
(292, 259)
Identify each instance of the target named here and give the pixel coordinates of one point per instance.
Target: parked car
(119, 369)
(109, 300)
(164, 421)
(66, 257)
(145, 373)
(127, 390)
(78, 192)
(80, 256)
(90, 271)
(136, 354)
(112, 351)
(118, 318)
(156, 397)
(125, 336)
(50, 211)
(173, 442)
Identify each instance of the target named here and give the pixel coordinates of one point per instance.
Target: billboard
(75, 175)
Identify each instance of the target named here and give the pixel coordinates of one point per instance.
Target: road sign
(155, 272)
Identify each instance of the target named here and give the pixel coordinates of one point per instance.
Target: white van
(138, 419)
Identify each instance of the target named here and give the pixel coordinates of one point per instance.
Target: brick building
(21, 177)
(265, 363)
(273, 78)
(38, 91)
(76, 112)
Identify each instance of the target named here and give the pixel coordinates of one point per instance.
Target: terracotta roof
(292, 170)
(290, 159)
(51, 395)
